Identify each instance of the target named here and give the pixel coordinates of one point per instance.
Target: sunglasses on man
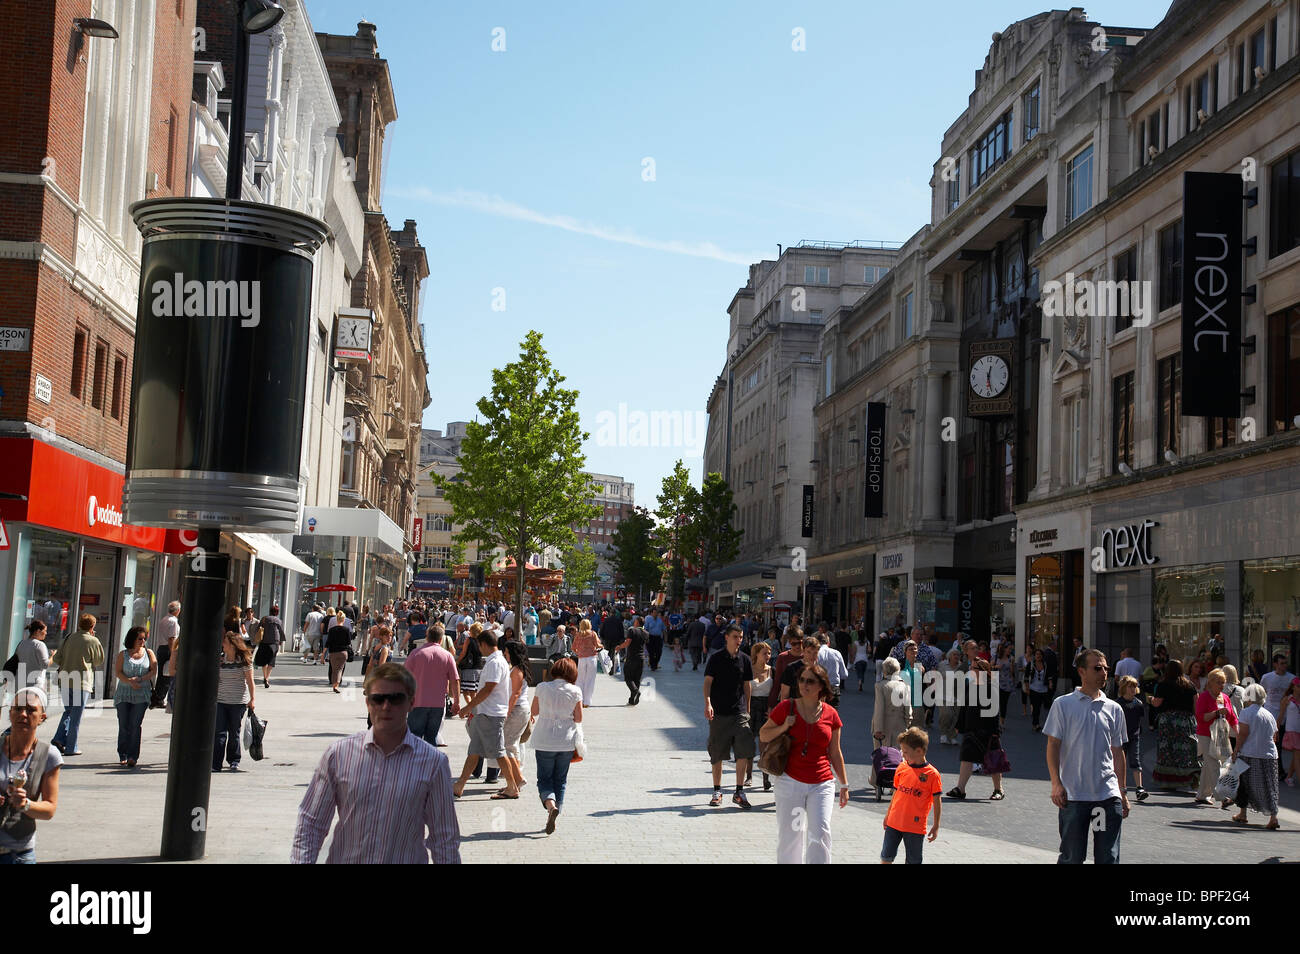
(377, 699)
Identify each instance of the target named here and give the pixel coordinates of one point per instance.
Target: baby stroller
(884, 760)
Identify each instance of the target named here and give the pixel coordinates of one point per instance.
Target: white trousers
(803, 814)
(587, 678)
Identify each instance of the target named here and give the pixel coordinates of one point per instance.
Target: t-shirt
(654, 625)
(433, 667)
(790, 676)
(272, 630)
(1275, 686)
(808, 761)
(418, 631)
(1128, 666)
(312, 626)
(338, 638)
(637, 638)
(1133, 711)
(914, 791)
(495, 669)
(1088, 729)
(7, 770)
(730, 673)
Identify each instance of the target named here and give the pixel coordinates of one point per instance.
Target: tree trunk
(520, 559)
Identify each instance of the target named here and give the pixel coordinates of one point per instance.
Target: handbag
(258, 728)
(579, 747)
(1225, 790)
(1220, 742)
(776, 754)
(995, 759)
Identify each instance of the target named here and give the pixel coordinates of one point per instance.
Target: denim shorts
(913, 845)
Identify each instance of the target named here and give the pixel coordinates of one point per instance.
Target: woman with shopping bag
(1214, 716)
(1257, 785)
(234, 695)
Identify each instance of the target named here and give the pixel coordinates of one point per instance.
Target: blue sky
(524, 172)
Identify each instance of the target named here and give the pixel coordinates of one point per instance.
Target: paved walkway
(641, 795)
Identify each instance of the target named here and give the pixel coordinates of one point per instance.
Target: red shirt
(1206, 706)
(814, 766)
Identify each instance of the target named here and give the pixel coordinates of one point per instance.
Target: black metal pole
(238, 112)
(194, 716)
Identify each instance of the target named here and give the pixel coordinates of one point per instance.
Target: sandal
(997, 796)
(957, 793)
(502, 795)
(716, 800)
(1272, 826)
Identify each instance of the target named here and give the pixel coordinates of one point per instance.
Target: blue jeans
(552, 774)
(1103, 819)
(425, 721)
(74, 704)
(913, 845)
(130, 715)
(27, 857)
(230, 719)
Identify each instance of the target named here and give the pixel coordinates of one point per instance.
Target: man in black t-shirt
(790, 675)
(727, 684)
(633, 664)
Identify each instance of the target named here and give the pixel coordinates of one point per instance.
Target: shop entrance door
(98, 597)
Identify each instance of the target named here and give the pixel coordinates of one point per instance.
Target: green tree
(579, 563)
(633, 554)
(521, 485)
(674, 495)
(709, 534)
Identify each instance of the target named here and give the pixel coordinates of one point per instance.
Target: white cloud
(504, 208)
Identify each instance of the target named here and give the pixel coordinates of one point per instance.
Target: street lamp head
(89, 26)
(260, 15)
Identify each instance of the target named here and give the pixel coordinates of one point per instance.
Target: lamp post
(251, 16)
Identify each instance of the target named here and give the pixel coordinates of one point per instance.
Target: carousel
(540, 583)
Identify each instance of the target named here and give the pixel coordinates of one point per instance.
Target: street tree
(521, 485)
(633, 554)
(579, 562)
(709, 533)
(671, 512)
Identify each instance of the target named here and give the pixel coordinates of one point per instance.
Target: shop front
(1050, 576)
(1220, 559)
(70, 552)
(988, 554)
(850, 587)
(951, 604)
(894, 585)
(357, 546)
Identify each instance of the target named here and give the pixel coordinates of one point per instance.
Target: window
(991, 150)
(1284, 369)
(1077, 458)
(1284, 205)
(1243, 82)
(830, 375)
(1169, 390)
(100, 381)
(954, 189)
(815, 314)
(1029, 108)
(1121, 421)
(1171, 265)
(173, 128)
(119, 379)
(1220, 432)
(1149, 138)
(868, 273)
(79, 345)
(1078, 185)
(1125, 271)
(348, 467)
(907, 315)
(812, 275)
(1257, 47)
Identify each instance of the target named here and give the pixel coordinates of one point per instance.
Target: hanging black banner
(808, 507)
(1212, 204)
(875, 447)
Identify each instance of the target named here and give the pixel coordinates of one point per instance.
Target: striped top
(232, 683)
(384, 803)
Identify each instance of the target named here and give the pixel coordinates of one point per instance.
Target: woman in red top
(1212, 705)
(804, 794)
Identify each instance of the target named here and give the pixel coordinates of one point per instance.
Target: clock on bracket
(989, 390)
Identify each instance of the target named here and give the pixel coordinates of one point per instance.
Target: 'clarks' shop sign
(1127, 546)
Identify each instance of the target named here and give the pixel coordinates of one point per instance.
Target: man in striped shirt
(387, 786)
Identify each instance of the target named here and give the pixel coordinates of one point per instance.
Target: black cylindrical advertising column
(218, 392)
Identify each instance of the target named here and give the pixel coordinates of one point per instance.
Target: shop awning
(269, 550)
(353, 522)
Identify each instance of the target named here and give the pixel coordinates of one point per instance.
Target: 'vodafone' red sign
(65, 492)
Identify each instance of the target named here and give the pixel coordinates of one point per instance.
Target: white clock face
(989, 376)
(354, 333)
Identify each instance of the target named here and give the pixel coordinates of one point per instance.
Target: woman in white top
(760, 693)
(1257, 787)
(517, 717)
(557, 706)
(948, 711)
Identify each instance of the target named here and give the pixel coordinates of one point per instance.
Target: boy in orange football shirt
(916, 783)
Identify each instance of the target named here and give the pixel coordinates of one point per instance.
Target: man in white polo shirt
(1086, 733)
(487, 710)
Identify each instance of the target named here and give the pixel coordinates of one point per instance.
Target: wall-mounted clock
(352, 341)
(989, 390)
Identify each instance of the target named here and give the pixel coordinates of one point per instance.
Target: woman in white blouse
(759, 697)
(557, 706)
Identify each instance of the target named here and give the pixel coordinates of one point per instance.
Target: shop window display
(51, 565)
(1270, 605)
(1188, 604)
